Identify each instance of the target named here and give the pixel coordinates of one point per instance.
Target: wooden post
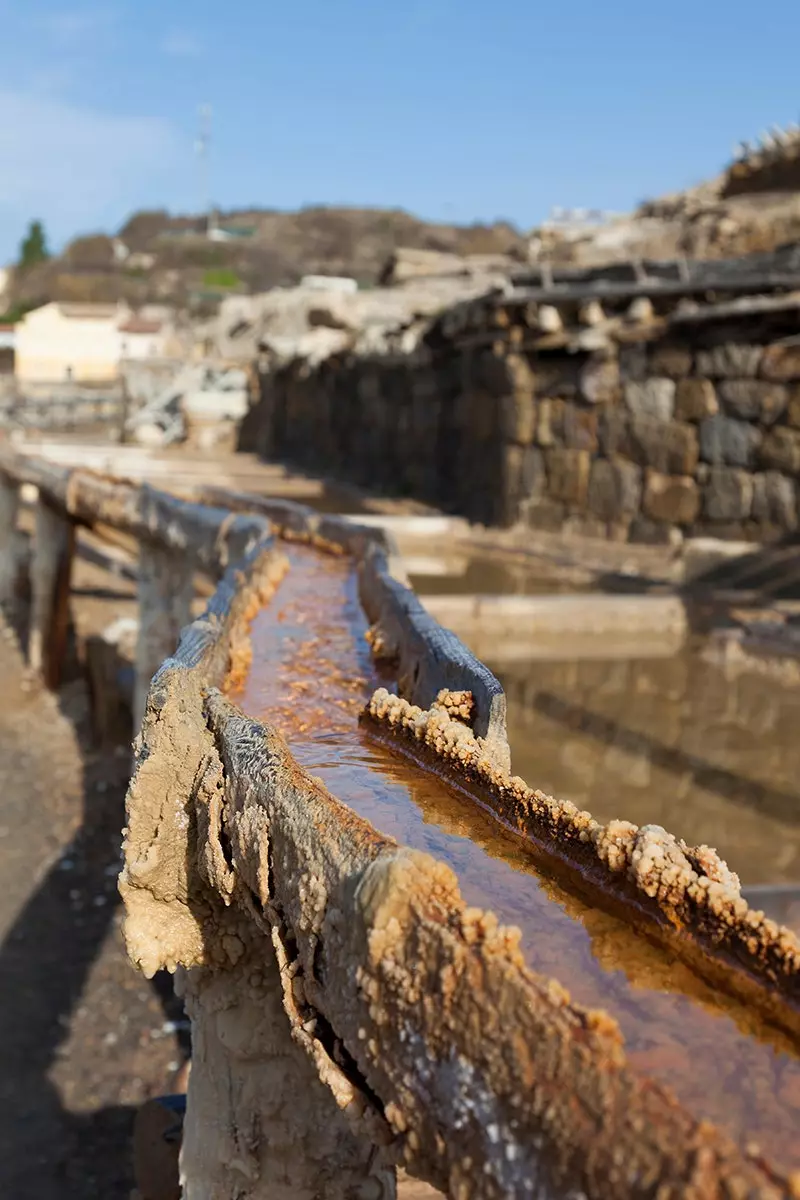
(54, 547)
(166, 590)
(9, 545)
(260, 1123)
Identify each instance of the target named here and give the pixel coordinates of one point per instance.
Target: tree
(34, 246)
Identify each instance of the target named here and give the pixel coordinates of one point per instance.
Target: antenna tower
(202, 146)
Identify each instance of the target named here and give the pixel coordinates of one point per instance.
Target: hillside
(752, 206)
(158, 257)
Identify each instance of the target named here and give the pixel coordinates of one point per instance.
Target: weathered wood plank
(54, 548)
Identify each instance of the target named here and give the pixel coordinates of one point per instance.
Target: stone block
(728, 494)
(558, 376)
(568, 475)
(753, 399)
(671, 498)
(695, 399)
(613, 430)
(583, 525)
(520, 372)
(781, 450)
(518, 417)
(580, 428)
(775, 500)
(600, 381)
(729, 361)
(633, 362)
(549, 421)
(615, 489)
(565, 423)
(667, 446)
(651, 398)
(533, 477)
(547, 515)
(781, 363)
(793, 407)
(670, 359)
(653, 533)
(492, 373)
(724, 440)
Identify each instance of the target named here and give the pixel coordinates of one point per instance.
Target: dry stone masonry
(633, 417)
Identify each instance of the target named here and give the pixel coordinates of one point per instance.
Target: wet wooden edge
(225, 526)
(492, 1083)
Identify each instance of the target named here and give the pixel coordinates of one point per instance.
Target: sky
(457, 110)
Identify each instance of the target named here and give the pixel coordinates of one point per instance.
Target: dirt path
(83, 1038)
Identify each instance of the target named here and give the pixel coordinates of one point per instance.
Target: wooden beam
(9, 544)
(54, 549)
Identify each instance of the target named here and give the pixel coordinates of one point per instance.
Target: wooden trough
(350, 1012)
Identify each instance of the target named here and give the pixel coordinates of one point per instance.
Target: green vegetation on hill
(170, 259)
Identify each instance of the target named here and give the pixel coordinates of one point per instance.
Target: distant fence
(66, 414)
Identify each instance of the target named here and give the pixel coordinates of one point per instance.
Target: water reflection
(673, 742)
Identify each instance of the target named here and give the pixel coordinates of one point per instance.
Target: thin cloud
(69, 28)
(107, 160)
(181, 44)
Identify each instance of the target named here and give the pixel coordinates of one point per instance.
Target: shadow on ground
(85, 1040)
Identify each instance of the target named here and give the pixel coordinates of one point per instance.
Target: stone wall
(640, 427)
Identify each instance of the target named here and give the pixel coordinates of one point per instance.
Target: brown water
(310, 677)
(482, 575)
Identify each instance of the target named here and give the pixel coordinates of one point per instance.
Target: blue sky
(458, 110)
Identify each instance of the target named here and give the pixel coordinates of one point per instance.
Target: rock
(641, 310)
(544, 514)
(671, 498)
(633, 362)
(671, 360)
(568, 475)
(753, 399)
(533, 477)
(615, 489)
(668, 446)
(493, 374)
(549, 421)
(781, 362)
(653, 533)
(518, 417)
(775, 500)
(651, 398)
(695, 399)
(613, 430)
(793, 407)
(781, 450)
(726, 440)
(728, 494)
(599, 381)
(563, 423)
(520, 373)
(558, 376)
(729, 361)
(580, 428)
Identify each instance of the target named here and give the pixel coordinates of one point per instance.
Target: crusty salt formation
(690, 887)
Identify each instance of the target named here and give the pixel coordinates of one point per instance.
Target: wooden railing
(349, 1012)
(65, 414)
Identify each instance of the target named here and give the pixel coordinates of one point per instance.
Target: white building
(84, 343)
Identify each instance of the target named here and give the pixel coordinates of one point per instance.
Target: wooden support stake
(166, 591)
(9, 544)
(51, 568)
